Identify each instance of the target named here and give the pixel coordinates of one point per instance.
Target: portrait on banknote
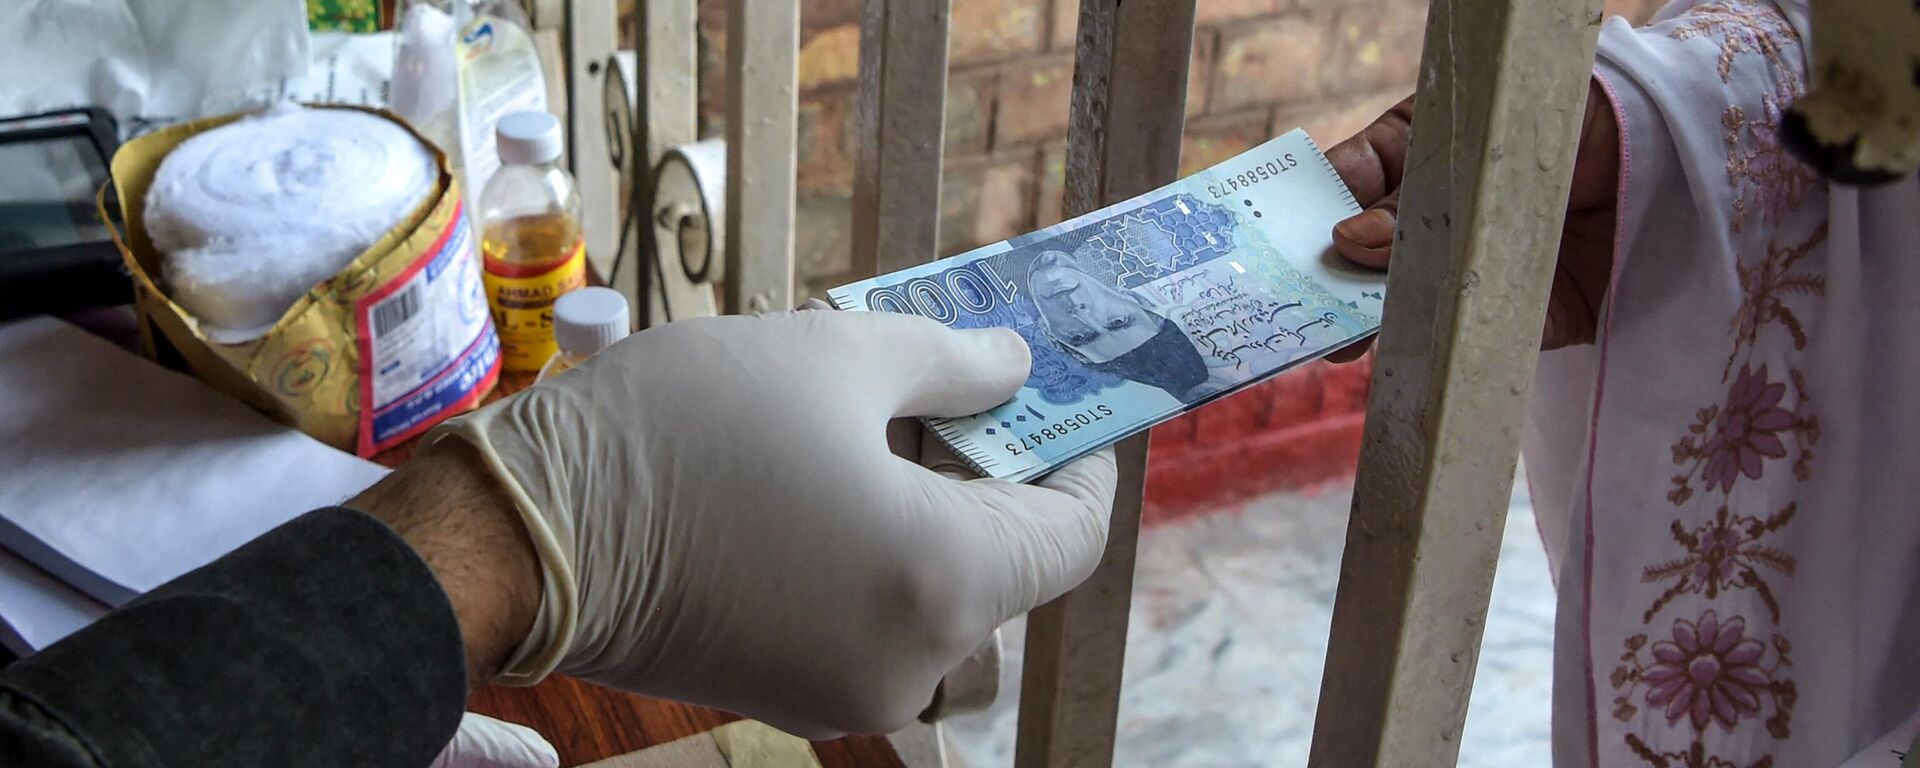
(1150, 307)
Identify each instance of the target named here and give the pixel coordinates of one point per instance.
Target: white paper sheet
(117, 475)
(36, 609)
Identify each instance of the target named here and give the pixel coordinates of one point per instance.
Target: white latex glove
(720, 520)
(483, 742)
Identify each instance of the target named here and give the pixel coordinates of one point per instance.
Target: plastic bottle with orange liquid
(530, 238)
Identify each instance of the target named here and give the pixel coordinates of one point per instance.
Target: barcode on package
(396, 309)
(427, 346)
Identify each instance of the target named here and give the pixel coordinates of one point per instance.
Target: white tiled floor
(1229, 633)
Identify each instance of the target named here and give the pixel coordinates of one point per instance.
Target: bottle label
(523, 307)
(427, 350)
(499, 75)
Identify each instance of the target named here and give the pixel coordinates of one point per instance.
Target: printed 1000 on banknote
(1146, 309)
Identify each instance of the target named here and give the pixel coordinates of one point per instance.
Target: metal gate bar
(763, 45)
(900, 109)
(667, 115)
(1123, 139)
(591, 36)
(1500, 102)
(1498, 111)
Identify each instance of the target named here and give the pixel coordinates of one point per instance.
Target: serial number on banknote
(1270, 169)
(1059, 429)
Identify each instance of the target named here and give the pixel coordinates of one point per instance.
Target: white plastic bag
(150, 62)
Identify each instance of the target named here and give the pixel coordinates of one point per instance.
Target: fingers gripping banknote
(1143, 310)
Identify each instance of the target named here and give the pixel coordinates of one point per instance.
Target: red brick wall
(1260, 67)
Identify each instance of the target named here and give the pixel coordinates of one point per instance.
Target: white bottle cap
(526, 138)
(587, 320)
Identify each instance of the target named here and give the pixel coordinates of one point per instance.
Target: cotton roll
(251, 215)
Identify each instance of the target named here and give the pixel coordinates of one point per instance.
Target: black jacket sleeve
(326, 642)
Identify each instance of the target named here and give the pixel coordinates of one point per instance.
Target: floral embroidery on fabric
(1724, 554)
(1729, 442)
(1741, 435)
(1744, 26)
(1749, 429)
(1694, 757)
(1701, 673)
(1764, 287)
(1709, 673)
(1768, 181)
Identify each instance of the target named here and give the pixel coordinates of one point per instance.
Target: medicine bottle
(584, 322)
(530, 238)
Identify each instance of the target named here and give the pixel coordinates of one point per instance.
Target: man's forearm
(462, 524)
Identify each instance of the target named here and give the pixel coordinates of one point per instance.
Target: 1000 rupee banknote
(1143, 310)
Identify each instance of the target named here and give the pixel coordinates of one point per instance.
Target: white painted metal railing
(1500, 96)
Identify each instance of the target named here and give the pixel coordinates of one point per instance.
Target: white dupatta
(1729, 480)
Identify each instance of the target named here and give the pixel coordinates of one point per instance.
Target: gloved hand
(1372, 162)
(483, 742)
(719, 518)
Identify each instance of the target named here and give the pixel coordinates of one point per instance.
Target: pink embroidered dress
(1729, 480)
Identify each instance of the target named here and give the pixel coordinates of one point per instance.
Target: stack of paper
(121, 475)
(38, 609)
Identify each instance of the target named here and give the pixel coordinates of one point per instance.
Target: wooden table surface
(586, 722)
